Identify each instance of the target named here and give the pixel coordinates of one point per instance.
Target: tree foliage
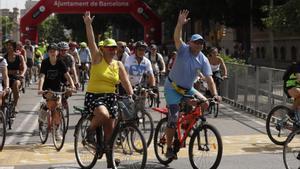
(52, 30)
(284, 17)
(7, 25)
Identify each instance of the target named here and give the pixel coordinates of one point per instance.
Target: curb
(249, 110)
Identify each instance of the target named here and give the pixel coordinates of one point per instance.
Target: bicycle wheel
(123, 155)
(160, 142)
(44, 129)
(2, 130)
(58, 133)
(8, 111)
(291, 151)
(86, 156)
(279, 124)
(205, 148)
(65, 112)
(146, 126)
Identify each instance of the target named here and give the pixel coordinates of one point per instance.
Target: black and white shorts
(109, 100)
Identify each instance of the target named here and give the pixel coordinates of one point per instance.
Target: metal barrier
(256, 88)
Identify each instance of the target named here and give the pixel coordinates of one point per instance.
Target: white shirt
(136, 70)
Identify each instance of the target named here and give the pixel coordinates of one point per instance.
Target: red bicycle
(205, 144)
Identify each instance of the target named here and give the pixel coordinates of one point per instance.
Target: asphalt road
(246, 145)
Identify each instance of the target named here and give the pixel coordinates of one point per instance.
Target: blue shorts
(173, 97)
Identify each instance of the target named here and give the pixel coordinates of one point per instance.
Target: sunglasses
(63, 50)
(111, 48)
(199, 42)
(141, 49)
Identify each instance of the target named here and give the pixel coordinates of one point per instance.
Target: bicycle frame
(191, 118)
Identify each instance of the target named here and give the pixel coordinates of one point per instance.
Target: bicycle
(2, 130)
(126, 142)
(205, 138)
(291, 150)
(83, 75)
(280, 123)
(145, 121)
(46, 125)
(8, 109)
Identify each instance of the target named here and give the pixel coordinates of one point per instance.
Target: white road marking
(24, 122)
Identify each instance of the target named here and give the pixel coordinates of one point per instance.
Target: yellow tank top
(104, 77)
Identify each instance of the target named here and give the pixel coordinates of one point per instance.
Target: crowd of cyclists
(111, 67)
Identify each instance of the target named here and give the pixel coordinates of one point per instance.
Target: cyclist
(157, 61)
(85, 57)
(16, 70)
(122, 55)
(291, 88)
(20, 49)
(190, 61)
(171, 60)
(218, 66)
(29, 58)
(53, 71)
(68, 60)
(4, 80)
(38, 57)
(74, 52)
(137, 65)
(106, 73)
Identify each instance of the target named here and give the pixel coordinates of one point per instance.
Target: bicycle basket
(127, 110)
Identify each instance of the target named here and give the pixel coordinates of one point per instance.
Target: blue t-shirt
(187, 67)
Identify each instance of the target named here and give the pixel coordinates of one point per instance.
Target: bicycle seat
(161, 110)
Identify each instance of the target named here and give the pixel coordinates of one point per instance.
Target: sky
(12, 3)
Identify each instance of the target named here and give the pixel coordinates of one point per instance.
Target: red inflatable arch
(138, 9)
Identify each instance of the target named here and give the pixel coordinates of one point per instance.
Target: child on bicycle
(52, 74)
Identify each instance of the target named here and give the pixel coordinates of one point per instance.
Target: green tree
(51, 30)
(284, 17)
(7, 25)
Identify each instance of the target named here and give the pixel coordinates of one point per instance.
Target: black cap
(52, 46)
(142, 44)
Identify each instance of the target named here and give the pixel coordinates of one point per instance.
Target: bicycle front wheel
(146, 126)
(128, 149)
(279, 124)
(205, 148)
(86, 156)
(2, 130)
(291, 151)
(58, 133)
(44, 129)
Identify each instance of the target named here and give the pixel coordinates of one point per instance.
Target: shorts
(109, 100)
(12, 79)
(29, 62)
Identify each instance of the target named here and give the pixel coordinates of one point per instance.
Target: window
(294, 53)
(282, 53)
(257, 52)
(263, 52)
(275, 51)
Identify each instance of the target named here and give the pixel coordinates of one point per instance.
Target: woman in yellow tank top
(100, 98)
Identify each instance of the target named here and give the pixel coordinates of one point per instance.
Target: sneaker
(170, 153)
(58, 136)
(30, 82)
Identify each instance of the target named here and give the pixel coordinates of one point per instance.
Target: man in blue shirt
(189, 63)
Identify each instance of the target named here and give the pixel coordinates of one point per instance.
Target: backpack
(290, 70)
